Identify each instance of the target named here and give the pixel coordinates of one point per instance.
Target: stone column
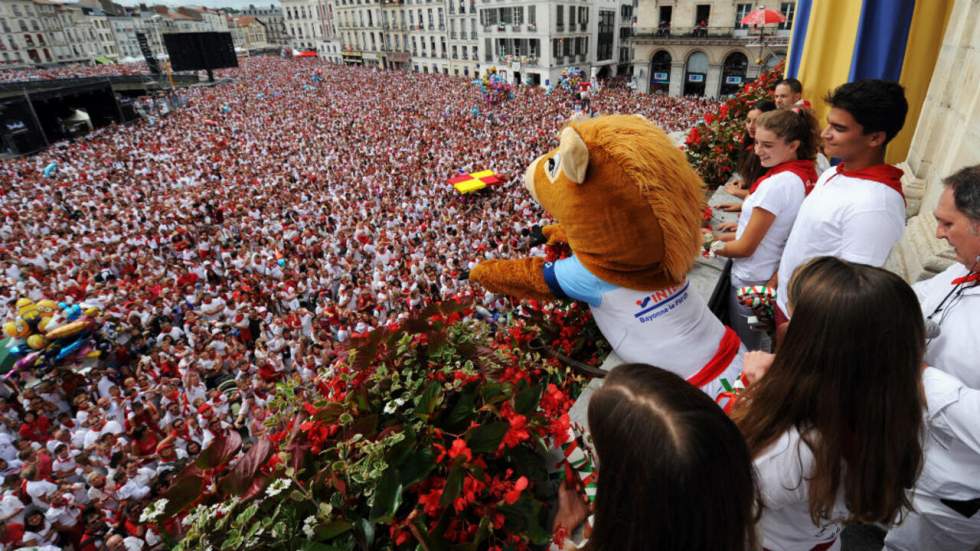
(712, 83)
(946, 139)
(676, 78)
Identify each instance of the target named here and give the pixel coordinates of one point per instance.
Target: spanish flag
(839, 41)
(474, 181)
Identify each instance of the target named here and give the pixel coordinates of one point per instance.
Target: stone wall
(946, 139)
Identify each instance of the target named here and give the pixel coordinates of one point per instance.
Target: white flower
(277, 486)
(154, 510)
(309, 526)
(392, 406)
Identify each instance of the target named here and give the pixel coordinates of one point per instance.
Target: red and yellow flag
(474, 181)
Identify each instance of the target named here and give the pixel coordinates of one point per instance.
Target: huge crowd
(75, 70)
(242, 239)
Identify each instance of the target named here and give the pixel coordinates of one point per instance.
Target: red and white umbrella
(762, 16)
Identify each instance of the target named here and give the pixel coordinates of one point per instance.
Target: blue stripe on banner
(800, 23)
(552, 280)
(883, 32)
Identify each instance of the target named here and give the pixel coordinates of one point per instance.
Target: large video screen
(200, 51)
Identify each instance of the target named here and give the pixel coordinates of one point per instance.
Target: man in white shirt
(856, 211)
(947, 494)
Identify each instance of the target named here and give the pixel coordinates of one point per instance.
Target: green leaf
(333, 529)
(387, 497)
(246, 515)
(454, 484)
(527, 399)
(464, 410)
(481, 535)
(417, 466)
(530, 464)
(430, 398)
(330, 412)
(400, 451)
(486, 438)
(365, 534)
(492, 392)
(233, 540)
(524, 516)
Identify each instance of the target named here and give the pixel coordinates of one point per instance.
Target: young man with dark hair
(788, 93)
(856, 211)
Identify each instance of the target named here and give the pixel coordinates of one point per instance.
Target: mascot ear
(574, 155)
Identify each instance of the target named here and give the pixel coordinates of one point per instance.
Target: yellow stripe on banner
(469, 186)
(481, 174)
(921, 53)
(826, 59)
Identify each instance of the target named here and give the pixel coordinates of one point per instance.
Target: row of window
(702, 15)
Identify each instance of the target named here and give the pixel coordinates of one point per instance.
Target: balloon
(47, 306)
(281, 262)
(43, 324)
(24, 303)
(37, 342)
(27, 360)
(74, 312)
(10, 329)
(21, 328)
(63, 305)
(91, 311)
(69, 349)
(50, 169)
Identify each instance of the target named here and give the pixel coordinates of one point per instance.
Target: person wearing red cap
(856, 211)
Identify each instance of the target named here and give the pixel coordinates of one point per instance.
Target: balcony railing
(691, 34)
(560, 28)
(452, 35)
(531, 27)
(473, 35)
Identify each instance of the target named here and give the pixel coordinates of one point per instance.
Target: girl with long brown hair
(674, 472)
(835, 425)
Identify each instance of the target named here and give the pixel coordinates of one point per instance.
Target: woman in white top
(834, 426)
(786, 144)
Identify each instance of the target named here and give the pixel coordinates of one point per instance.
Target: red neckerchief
(885, 174)
(804, 169)
(968, 278)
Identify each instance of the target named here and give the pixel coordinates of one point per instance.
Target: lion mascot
(629, 206)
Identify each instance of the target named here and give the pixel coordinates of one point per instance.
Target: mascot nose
(529, 180)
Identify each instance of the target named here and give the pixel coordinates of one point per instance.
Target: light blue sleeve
(579, 283)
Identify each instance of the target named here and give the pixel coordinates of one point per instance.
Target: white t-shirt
(781, 195)
(957, 347)
(849, 218)
(782, 472)
(952, 445)
(670, 328)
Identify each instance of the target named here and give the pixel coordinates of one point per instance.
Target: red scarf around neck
(884, 174)
(805, 169)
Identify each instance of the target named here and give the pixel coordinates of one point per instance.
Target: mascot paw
(555, 234)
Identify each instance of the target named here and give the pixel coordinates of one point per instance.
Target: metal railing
(698, 32)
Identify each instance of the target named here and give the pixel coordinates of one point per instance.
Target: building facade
(272, 18)
(700, 47)
(248, 32)
(308, 22)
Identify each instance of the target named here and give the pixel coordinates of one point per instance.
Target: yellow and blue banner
(838, 41)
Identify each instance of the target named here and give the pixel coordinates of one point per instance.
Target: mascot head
(629, 203)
